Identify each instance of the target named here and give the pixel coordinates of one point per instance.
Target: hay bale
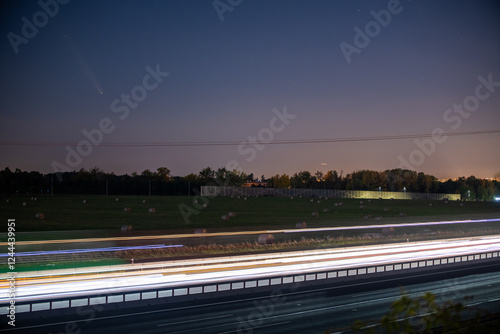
(367, 216)
(326, 210)
(430, 204)
(245, 198)
(39, 215)
(361, 202)
(314, 214)
(224, 217)
(379, 218)
(127, 209)
(200, 231)
(265, 239)
(340, 203)
(461, 204)
(126, 228)
(117, 199)
(387, 230)
(318, 202)
(151, 210)
(402, 214)
(301, 225)
(24, 203)
(386, 210)
(445, 202)
(311, 200)
(361, 207)
(231, 214)
(84, 201)
(7, 200)
(336, 204)
(291, 197)
(205, 205)
(143, 201)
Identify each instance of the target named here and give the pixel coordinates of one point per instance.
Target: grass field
(69, 213)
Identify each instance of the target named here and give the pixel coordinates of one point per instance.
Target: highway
(64, 283)
(297, 312)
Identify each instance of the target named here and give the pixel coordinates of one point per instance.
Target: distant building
(254, 184)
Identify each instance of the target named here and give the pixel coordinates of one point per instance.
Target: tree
(223, 176)
(236, 178)
(278, 181)
(163, 173)
(303, 179)
(147, 173)
(207, 175)
(332, 179)
(426, 315)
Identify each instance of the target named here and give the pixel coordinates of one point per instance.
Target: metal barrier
(213, 288)
(211, 191)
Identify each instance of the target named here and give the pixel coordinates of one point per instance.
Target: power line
(237, 143)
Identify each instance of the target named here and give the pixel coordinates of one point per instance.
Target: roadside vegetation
(427, 314)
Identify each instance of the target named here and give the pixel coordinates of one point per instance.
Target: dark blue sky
(226, 77)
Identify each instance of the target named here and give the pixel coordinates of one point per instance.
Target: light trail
(188, 272)
(217, 234)
(360, 227)
(90, 250)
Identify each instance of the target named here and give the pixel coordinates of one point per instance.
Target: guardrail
(240, 285)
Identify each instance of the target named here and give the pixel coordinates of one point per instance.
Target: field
(107, 214)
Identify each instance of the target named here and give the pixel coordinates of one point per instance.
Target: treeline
(161, 182)
(389, 180)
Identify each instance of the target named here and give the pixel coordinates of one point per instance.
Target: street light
(404, 190)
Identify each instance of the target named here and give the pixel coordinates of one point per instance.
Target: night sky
(130, 74)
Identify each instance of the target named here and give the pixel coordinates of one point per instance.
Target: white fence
(211, 191)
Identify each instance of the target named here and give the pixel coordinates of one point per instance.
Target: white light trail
(191, 272)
